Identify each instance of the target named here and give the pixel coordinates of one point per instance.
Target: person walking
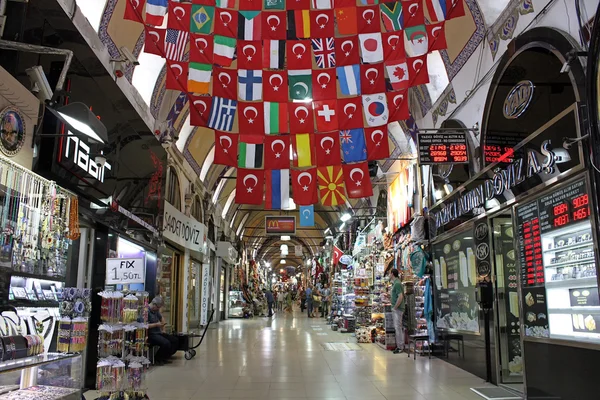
(326, 298)
(309, 301)
(398, 309)
(280, 299)
(302, 300)
(316, 295)
(270, 300)
(288, 301)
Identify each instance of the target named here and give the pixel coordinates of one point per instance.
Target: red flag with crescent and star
(378, 146)
(275, 86)
(250, 186)
(201, 48)
(350, 112)
(331, 185)
(134, 10)
(273, 25)
(225, 83)
(398, 105)
(336, 255)
(199, 109)
(154, 41)
(226, 145)
(301, 118)
(251, 117)
(323, 84)
(277, 152)
(298, 54)
(327, 147)
(346, 51)
(304, 186)
(358, 181)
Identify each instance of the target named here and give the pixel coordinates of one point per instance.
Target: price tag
(124, 271)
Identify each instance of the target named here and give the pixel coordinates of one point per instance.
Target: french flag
(277, 195)
(438, 10)
(155, 12)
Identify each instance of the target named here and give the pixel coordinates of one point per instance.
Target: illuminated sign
(518, 100)
(77, 152)
(443, 148)
(280, 225)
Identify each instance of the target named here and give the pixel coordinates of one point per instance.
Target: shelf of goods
(386, 334)
(362, 292)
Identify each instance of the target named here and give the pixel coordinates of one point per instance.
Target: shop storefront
(513, 248)
(227, 257)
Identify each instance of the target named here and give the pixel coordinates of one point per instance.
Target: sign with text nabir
(123, 271)
(443, 148)
(280, 225)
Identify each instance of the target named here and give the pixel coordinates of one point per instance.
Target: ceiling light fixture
(284, 238)
(81, 121)
(345, 217)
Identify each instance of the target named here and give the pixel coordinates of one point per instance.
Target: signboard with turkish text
(443, 148)
(280, 225)
(124, 271)
(183, 230)
(205, 294)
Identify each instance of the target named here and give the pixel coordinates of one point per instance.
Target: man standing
(167, 344)
(302, 300)
(326, 296)
(398, 310)
(280, 300)
(270, 299)
(309, 301)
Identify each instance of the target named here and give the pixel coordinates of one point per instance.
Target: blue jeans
(309, 307)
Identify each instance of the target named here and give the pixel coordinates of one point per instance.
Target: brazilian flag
(202, 19)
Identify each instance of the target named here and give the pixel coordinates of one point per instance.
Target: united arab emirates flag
(250, 155)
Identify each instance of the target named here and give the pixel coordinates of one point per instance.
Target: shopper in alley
(398, 302)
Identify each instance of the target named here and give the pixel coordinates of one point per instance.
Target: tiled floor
(283, 358)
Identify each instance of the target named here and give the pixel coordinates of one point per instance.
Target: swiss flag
(297, 4)
(378, 146)
(177, 75)
(273, 25)
(226, 145)
(154, 41)
(301, 118)
(326, 115)
(298, 54)
(134, 10)
(304, 186)
(249, 186)
(372, 78)
(179, 16)
(323, 84)
(350, 113)
(251, 117)
(199, 109)
(417, 70)
(369, 20)
(249, 54)
(346, 51)
(337, 254)
(225, 83)
(327, 147)
(250, 5)
(358, 181)
(393, 46)
(277, 152)
(275, 86)
(226, 22)
(456, 8)
(436, 36)
(201, 48)
(412, 13)
(322, 24)
(398, 105)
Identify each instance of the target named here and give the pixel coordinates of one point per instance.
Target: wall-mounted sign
(183, 230)
(518, 100)
(205, 294)
(280, 225)
(12, 131)
(123, 271)
(75, 153)
(443, 148)
(227, 252)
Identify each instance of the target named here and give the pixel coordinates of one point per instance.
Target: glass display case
(236, 304)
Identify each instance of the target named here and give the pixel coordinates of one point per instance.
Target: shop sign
(118, 208)
(205, 294)
(346, 259)
(279, 225)
(227, 252)
(124, 271)
(518, 100)
(183, 230)
(12, 131)
(77, 153)
(443, 148)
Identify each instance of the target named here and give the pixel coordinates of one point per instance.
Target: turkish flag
(177, 75)
(456, 8)
(154, 41)
(249, 54)
(304, 186)
(226, 147)
(350, 113)
(301, 118)
(277, 152)
(393, 46)
(398, 105)
(134, 10)
(358, 181)
(322, 24)
(201, 48)
(378, 146)
(372, 78)
(436, 36)
(369, 20)
(346, 51)
(326, 115)
(275, 86)
(250, 5)
(199, 109)
(273, 25)
(417, 70)
(179, 16)
(323, 84)
(298, 54)
(327, 147)
(297, 4)
(249, 186)
(226, 22)
(251, 117)
(336, 255)
(413, 13)
(225, 83)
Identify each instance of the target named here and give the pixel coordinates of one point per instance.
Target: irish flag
(276, 118)
(277, 183)
(199, 77)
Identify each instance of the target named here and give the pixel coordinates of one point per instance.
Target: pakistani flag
(416, 40)
(300, 83)
(202, 19)
(250, 155)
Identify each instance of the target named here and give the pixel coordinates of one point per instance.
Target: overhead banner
(183, 230)
(280, 225)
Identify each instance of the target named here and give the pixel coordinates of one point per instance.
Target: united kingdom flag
(324, 50)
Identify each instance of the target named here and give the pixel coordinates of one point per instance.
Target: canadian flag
(350, 112)
(251, 117)
(275, 86)
(199, 109)
(301, 118)
(323, 84)
(337, 254)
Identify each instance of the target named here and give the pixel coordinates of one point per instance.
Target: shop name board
(503, 180)
(183, 230)
(78, 152)
(277, 225)
(118, 208)
(124, 271)
(518, 100)
(205, 294)
(443, 148)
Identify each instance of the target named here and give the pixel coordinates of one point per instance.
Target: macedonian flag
(331, 185)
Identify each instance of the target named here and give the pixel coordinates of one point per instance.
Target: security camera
(100, 160)
(129, 56)
(166, 144)
(566, 67)
(40, 86)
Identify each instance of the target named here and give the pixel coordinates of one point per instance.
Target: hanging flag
(350, 112)
(298, 24)
(416, 40)
(273, 25)
(225, 83)
(274, 5)
(437, 10)
(134, 10)
(249, 186)
(327, 149)
(202, 19)
(250, 117)
(222, 114)
(154, 41)
(349, 77)
(300, 83)
(250, 153)
(436, 37)
(391, 14)
(226, 145)
(297, 4)
(277, 151)
(199, 110)
(378, 146)
(277, 189)
(199, 78)
(322, 4)
(323, 84)
(250, 5)
(204, 2)
(371, 47)
(175, 44)
(303, 150)
(322, 24)
(155, 12)
(249, 54)
(298, 54)
(418, 71)
(179, 16)
(326, 115)
(301, 118)
(413, 14)
(249, 25)
(336, 255)
(304, 186)
(275, 118)
(224, 50)
(455, 9)
(225, 3)
(358, 181)
(274, 54)
(201, 48)
(324, 51)
(177, 73)
(275, 85)
(353, 145)
(398, 105)
(346, 20)
(346, 51)
(307, 216)
(393, 46)
(369, 19)
(331, 185)
(398, 74)
(226, 22)
(250, 84)
(375, 108)
(372, 78)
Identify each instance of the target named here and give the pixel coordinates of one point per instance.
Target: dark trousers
(270, 309)
(302, 304)
(324, 309)
(168, 345)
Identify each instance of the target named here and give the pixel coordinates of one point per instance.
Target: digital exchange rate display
(443, 148)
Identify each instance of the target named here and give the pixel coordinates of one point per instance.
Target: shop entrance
(222, 294)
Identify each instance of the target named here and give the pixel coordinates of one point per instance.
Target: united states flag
(175, 43)
(324, 50)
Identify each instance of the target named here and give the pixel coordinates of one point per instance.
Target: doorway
(222, 294)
